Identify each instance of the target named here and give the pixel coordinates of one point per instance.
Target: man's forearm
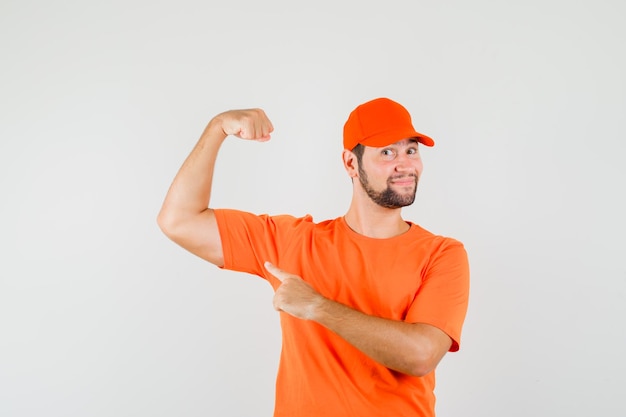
(413, 349)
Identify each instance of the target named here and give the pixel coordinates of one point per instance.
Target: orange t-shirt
(414, 277)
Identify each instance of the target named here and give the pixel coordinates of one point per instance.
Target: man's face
(389, 175)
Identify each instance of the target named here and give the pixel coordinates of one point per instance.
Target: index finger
(274, 270)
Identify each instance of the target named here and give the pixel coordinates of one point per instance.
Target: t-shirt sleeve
(442, 299)
(249, 240)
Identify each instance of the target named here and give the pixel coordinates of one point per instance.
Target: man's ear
(350, 163)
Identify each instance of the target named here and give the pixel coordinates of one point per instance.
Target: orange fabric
(414, 277)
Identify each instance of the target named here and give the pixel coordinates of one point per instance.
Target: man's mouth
(404, 181)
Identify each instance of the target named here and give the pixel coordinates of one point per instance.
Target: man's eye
(411, 151)
(387, 152)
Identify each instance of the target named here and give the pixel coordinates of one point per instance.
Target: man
(369, 302)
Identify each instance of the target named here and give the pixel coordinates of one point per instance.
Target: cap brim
(387, 138)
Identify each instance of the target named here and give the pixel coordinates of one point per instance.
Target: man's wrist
(324, 310)
(215, 129)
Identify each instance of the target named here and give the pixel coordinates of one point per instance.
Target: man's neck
(371, 220)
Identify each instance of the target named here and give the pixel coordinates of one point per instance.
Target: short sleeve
(249, 240)
(442, 299)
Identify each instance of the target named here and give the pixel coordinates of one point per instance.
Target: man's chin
(396, 203)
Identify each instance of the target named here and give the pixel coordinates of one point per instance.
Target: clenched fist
(252, 124)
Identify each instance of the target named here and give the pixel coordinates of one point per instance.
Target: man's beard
(388, 198)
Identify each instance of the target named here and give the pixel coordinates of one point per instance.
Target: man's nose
(403, 162)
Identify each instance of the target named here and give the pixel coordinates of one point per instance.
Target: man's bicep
(200, 235)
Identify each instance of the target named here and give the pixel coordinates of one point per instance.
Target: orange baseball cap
(380, 122)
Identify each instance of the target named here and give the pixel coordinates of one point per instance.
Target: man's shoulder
(282, 220)
(306, 222)
(436, 239)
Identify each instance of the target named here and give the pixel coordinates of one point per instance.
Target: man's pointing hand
(295, 296)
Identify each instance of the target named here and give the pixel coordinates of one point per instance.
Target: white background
(100, 102)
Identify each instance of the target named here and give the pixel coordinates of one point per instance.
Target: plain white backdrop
(100, 102)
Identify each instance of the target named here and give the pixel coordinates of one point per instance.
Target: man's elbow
(424, 361)
(421, 368)
(428, 347)
(168, 223)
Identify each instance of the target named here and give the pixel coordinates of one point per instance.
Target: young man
(369, 302)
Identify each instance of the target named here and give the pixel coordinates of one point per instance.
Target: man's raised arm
(185, 216)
